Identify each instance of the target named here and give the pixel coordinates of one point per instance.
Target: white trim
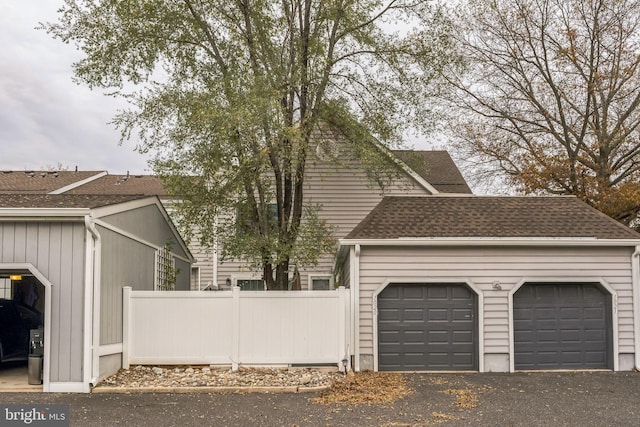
(312, 276)
(78, 183)
(432, 281)
(491, 241)
(356, 304)
(46, 384)
(94, 288)
(69, 387)
(88, 301)
(196, 278)
(40, 213)
(109, 349)
(635, 289)
(577, 280)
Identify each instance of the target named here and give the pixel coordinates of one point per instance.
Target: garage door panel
(572, 330)
(413, 314)
(462, 314)
(442, 337)
(594, 313)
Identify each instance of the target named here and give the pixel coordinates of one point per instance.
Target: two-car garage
(493, 284)
(434, 327)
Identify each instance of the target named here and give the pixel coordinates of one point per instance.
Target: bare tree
(553, 88)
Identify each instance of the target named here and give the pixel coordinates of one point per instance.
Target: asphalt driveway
(522, 399)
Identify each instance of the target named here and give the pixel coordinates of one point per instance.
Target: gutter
(492, 241)
(635, 285)
(92, 304)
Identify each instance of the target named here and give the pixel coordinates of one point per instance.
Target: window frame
(323, 277)
(250, 277)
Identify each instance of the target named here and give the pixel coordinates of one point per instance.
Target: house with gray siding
(492, 284)
(69, 256)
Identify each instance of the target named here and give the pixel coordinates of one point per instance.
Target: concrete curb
(207, 389)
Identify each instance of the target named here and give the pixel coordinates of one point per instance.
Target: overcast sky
(45, 118)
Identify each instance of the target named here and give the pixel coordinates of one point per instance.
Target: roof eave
(492, 241)
(39, 213)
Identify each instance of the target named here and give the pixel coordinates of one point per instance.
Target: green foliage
(229, 95)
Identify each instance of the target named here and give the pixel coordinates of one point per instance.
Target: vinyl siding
(483, 266)
(346, 196)
(57, 251)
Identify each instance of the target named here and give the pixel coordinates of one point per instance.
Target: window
(165, 270)
(5, 288)
(320, 283)
(195, 278)
(250, 284)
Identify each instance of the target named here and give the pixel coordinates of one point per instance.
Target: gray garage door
(427, 327)
(562, 326)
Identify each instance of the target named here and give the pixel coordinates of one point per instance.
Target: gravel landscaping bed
(204, 376)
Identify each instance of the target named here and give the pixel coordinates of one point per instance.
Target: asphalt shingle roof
(437, 168)
(39, 182)
(89, 201)
(123, 184)
(487, 217)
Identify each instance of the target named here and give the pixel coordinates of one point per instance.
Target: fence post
(343, 334)
(126, 325)
(235, 328)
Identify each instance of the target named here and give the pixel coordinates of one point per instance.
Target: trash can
(35, 369)
(36, 355)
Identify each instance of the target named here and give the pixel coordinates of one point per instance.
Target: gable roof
(434, 217)
(41, 182)
(63, 201)
(437, 168)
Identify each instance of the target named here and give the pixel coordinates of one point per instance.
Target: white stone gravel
(204, 376)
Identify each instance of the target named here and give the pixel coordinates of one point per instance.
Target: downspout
(635, 284)
(215, 253)
(356, 305)
(92, 302)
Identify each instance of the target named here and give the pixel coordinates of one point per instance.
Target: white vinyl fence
(235, 328)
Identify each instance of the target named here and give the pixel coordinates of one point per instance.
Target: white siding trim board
(635, 286)
(431, 280)
(538, 280)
